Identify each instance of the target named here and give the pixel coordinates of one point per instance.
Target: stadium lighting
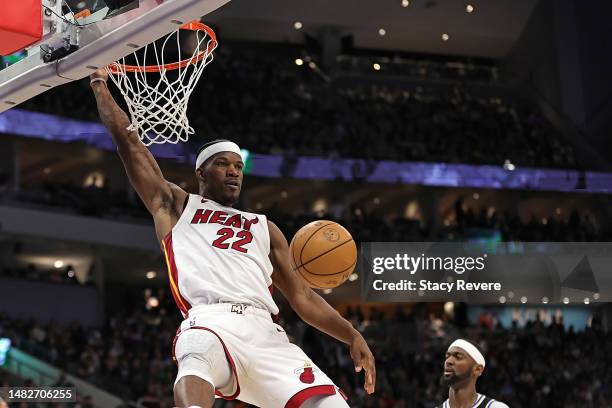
(545, 300)
(58, 264)
(299, 62)
(376, 66)
(445, 37)
(405, 3)
(508, 165)
(566, 300)
(353, 277)
(502, 299)
(382, 32)
(320, 205)
(298, 25)
(312, 65)
(151, 275)
(469, 8)
(587, 301)
(524, 299)
(71, 273)
(596, 296)
(152, 302)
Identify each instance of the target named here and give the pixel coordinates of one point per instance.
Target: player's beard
(222, 195)
(454, 379)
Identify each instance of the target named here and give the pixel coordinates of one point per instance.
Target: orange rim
(193, 26)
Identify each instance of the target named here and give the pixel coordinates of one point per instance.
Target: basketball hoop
(157, 95)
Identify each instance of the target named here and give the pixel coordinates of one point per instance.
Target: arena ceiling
(489, 31)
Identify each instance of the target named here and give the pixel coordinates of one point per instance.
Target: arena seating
(365, 226)
(130, 356)
(290, 109)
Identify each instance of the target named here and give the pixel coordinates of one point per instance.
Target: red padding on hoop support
(20, 25)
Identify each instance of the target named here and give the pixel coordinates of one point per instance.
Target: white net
(157, 95)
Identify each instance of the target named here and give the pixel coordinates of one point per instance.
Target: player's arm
(159, 196)
(314, 310)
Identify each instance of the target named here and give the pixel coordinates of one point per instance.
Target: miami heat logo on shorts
(331, 235)
(306, 373)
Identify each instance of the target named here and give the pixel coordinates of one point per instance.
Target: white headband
(217, 148)
(470, 349)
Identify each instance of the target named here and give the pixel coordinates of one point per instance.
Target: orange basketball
(324, 253)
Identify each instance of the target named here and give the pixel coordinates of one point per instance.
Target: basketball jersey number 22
(221, 255)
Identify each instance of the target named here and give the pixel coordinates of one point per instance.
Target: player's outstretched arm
(161, 198)
(314, 310)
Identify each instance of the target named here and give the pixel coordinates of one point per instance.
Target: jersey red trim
(227, 355)
(182, 304)
(275, 317)
(298, 399)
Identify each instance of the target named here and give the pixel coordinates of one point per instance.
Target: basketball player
(463, 365)
(222, 264)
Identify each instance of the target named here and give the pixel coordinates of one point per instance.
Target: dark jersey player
(463, 365)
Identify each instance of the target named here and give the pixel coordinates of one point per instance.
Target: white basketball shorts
(268, 371)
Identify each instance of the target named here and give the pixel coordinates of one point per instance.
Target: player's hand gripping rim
(364, 360)
(100, 75)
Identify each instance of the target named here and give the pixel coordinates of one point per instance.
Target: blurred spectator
(557, 368)
(265, 103)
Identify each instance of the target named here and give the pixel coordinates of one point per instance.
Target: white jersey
(217, 254)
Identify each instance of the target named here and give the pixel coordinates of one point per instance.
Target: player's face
(458, 366)
(222, 176)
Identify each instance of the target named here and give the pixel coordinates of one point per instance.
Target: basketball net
(157, 95)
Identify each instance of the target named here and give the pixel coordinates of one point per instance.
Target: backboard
(80, 36)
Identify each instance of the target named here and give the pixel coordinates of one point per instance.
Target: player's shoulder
(253, 214)
(215, 205)
(497, 404)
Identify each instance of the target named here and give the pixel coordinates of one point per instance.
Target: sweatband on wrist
(91, 82)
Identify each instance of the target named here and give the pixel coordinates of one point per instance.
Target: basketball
(324, 253)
